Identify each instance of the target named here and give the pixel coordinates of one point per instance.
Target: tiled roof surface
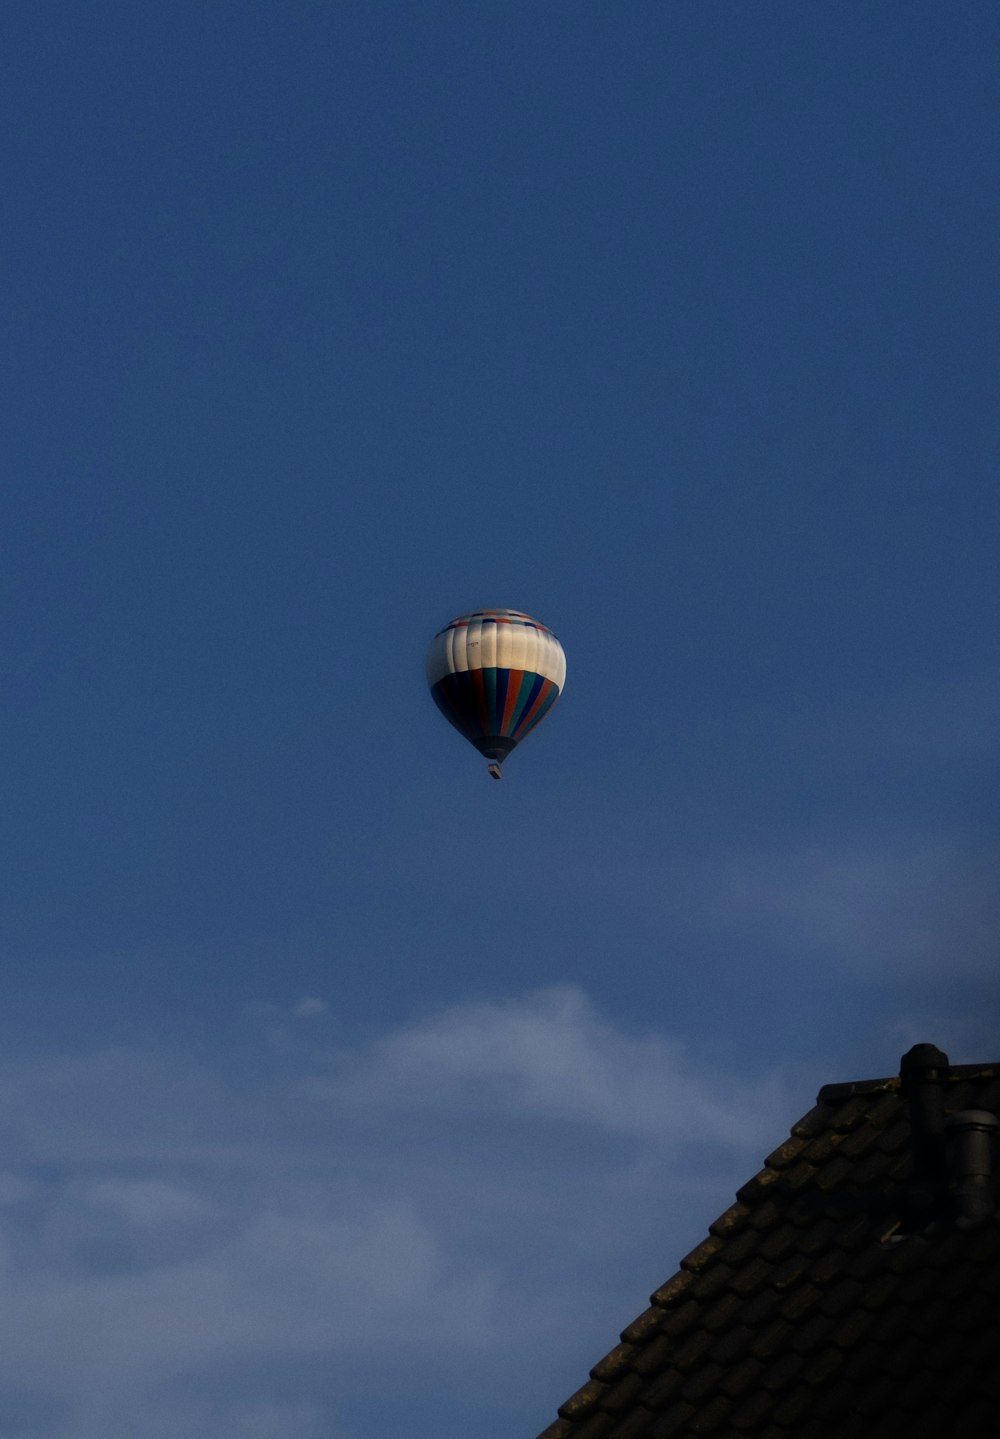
(808, 1311)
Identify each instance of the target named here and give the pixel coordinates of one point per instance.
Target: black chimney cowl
(971, 1133)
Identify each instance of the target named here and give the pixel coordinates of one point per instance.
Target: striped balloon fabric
(494, 675)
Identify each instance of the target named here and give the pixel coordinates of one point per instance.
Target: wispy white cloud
(551, 1056)
(457, 1193)
(310, 1006)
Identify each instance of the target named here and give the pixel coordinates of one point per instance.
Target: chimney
(922, 1070)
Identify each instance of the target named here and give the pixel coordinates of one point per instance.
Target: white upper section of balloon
(477, 641)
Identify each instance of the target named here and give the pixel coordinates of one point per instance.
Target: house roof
(852, 1290)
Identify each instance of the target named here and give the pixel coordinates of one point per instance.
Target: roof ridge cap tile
(973, 1071)
(832, 1093)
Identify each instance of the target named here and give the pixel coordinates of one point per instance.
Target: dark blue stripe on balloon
(457, 700)
(490, 690)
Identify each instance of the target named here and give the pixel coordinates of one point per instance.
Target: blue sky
(347, 1092)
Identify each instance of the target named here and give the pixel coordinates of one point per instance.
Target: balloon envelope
(494, 675)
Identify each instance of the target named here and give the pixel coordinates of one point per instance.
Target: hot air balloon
(494, 675)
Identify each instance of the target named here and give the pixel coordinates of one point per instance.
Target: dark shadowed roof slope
(853, 1290)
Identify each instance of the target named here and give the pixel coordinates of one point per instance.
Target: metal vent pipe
(971, 1133)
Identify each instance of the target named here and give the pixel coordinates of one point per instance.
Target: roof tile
(783, 1156)
(751, 1276)
(715, 1317)
(585, 1399)
(800, 1301)
(858, 1141)
(816, 1151)
(794, 1406)
(697, 1346)
(778, 1241)
(765, 1215)
(642, 1328)
(872, 1169)
(812, 1335)
(761, 1309)
(655, 1356)
(732, 1344)
(852, 1111)
(758, 1186)
(622, 1392)
(772, 1340)
(989, 1381)
(879, 1392)
(671, 1291)
(827, 1267)
(982, 1349)
(853, 1329)
(597, 1426)
(731, 1219)
(820, 1366)
(978, 1417)
(790, 1271)
(879, 1291)
(713, 1418)
(738, 1379)
(703, 1254)
(664, 1391)
(679, 1321)
(633, 1425)
(884, 1107)
(833, 1174)
(712, 1282)
(753, 1408)
(820, 1233)
(777, 1376)
(815, 1122)
(854, 1231)
(614, 1363)
(703, 1381)
(674, 1421)
(740, 1246)
(840, 1298)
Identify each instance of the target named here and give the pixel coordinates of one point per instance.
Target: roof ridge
(834, 1093)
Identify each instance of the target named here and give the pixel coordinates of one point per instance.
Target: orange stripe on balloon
(514, 681)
